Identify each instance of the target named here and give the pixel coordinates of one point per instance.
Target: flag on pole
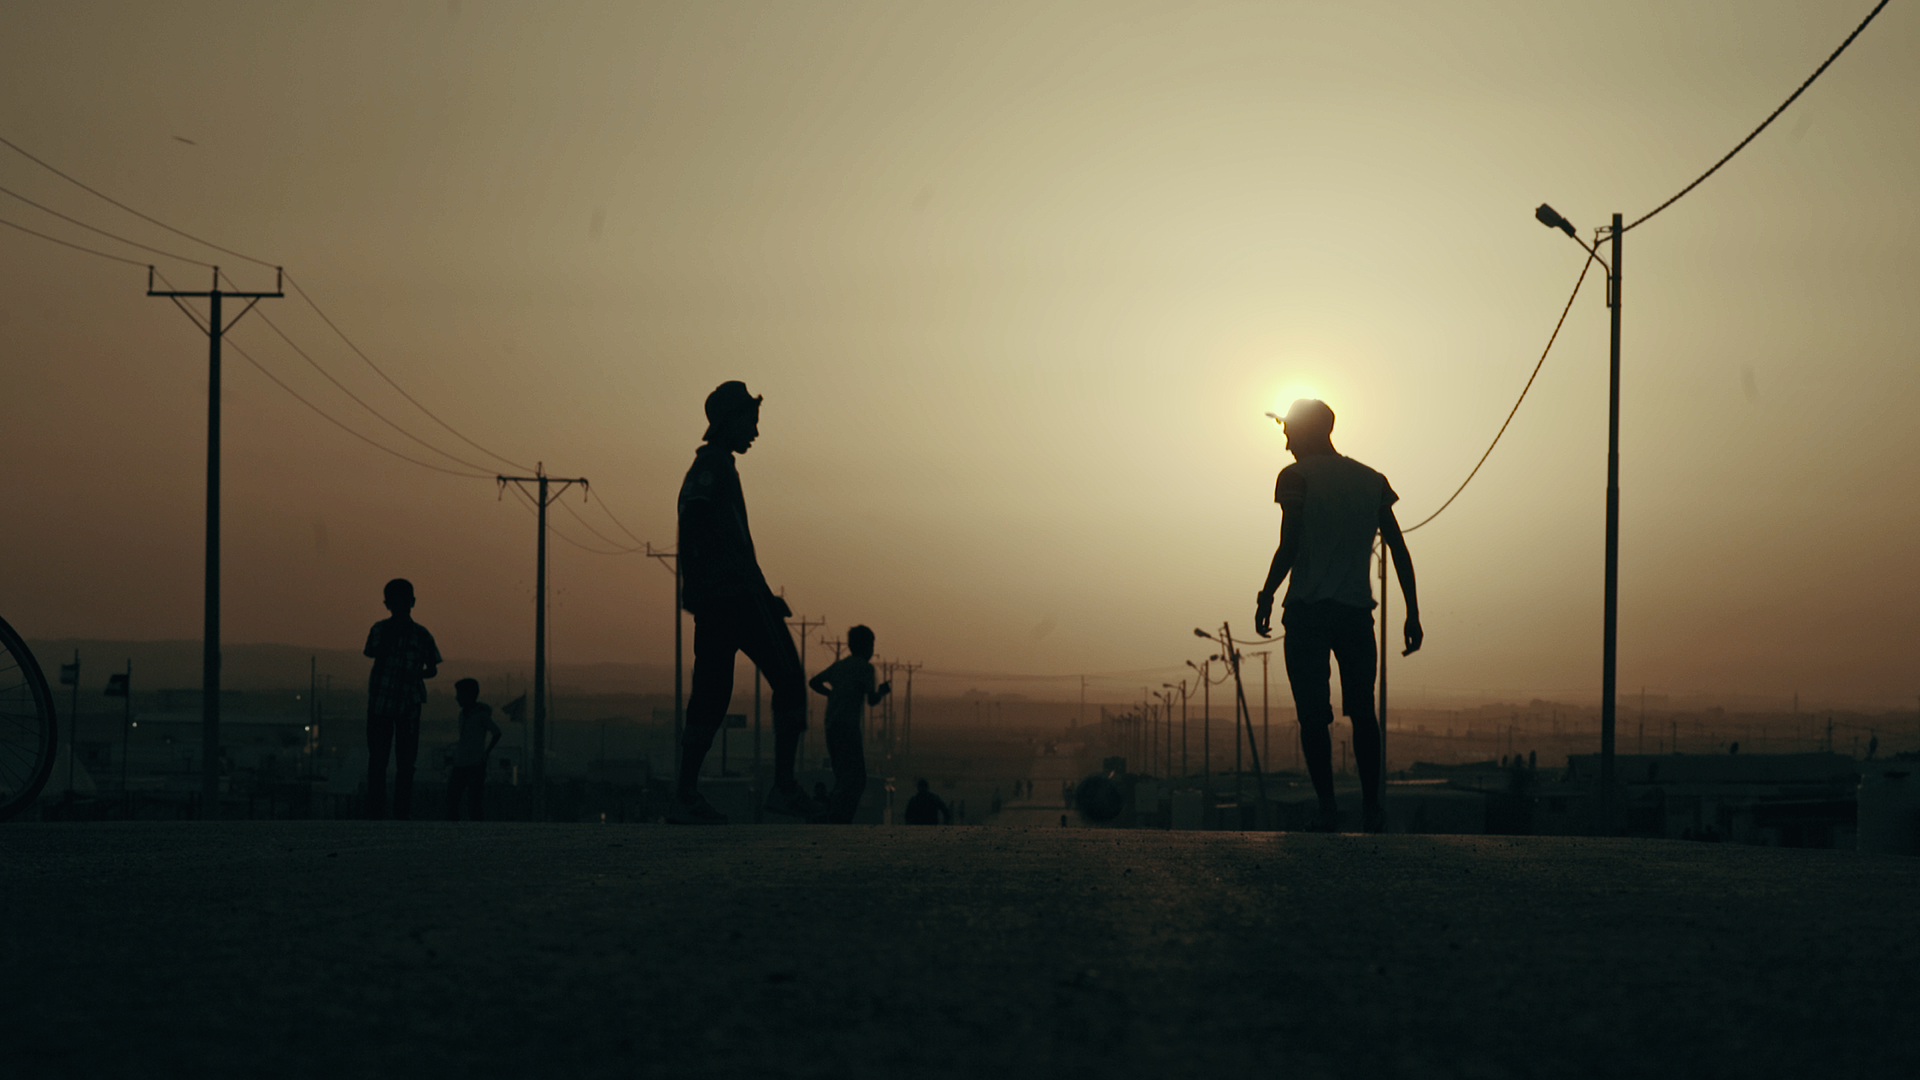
(116, 686)
(516, 709)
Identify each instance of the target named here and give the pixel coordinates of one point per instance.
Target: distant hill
(176, 665)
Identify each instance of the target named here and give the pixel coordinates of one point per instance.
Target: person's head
(733, 417)
(860, 642)
(1309, 427)
(921, 785)
(466, 692)
(399, 596)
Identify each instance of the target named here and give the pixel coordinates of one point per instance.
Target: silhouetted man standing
(733, 611)
(1331, 506)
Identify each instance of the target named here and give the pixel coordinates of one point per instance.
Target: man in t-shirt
(1331, 506)
(734, 611)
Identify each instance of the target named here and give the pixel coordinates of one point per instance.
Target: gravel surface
(298, 949)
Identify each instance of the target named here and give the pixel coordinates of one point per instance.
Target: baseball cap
(1308, 412)
(727, 399)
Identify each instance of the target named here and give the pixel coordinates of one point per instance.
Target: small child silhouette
(849, 687)
(478, 736)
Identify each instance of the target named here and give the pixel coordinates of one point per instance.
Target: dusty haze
(1018, 282)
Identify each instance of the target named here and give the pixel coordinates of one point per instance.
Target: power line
(1770, 118)
(602, 503)
(102, 232)
(302, 293)
(343, 427)
(71, 244)
(624, 549)
(152, 220)
(1584, 267)
(304, 355)
(531, 507)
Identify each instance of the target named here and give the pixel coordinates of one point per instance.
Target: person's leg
(406, 749)
(849, 772)
(379, 741)
(456, 780)
(478, 789)
(716, 634)
(769, 644)
(1354, 648)
(1306, 648)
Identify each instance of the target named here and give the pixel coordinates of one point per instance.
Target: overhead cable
(1584, 267)
(302, 293)
(102, 232)
(9, 144)
(1770, 118)
(71, 244)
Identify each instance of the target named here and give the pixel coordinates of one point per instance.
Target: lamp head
(1547, 216)
(1201, 633)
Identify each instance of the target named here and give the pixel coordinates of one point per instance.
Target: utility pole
(679, 665)
(121, 686)
(216, 330)
(1266, 729)
(1611, 618)
(906, 719)
(546, 492)
(70, 674)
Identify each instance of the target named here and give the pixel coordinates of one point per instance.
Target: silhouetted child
(478, 736)
(926, 808)
(849, 689)
(404, 657)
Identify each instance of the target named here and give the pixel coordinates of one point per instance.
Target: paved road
(302, 949)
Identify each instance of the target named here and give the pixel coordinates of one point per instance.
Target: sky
(1018, 282)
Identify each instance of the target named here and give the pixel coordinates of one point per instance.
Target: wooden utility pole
(546, 493)
(216, 330)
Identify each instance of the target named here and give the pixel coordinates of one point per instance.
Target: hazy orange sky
(1017, 281)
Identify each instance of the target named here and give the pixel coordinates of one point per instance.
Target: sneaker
(788, 799)
(1376, 820)
(693, 809)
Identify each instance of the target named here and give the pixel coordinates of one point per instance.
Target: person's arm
(884, 689)
(432, 666)
(1403, 568)
(711, 547)
(373, 643)
(493, 737)
(946, 812)
(819, 684)
(1283, 558)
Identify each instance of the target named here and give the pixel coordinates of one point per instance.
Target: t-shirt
(716, 558)
(476, 723)
(401, 651)
(1334, 503)
(851, 681)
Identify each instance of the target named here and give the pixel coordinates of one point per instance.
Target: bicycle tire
(28, 727)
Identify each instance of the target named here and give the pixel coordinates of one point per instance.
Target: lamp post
(1610, 618)
(1206, 721)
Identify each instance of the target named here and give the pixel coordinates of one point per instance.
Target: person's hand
(885, 688)
(779, 605)
(1263, 614)
(1414, 634)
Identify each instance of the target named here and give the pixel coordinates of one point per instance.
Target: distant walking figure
(478, 736)
(926, 808)
(1331, 506)
(404, 657)
(848, 684)
(734, 611)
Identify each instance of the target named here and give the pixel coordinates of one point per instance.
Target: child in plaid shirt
(404, 657)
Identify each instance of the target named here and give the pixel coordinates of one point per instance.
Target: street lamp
(1206, 720)
(1611, 610)
(1183, 729)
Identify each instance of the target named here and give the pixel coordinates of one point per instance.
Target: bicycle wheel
(27, 725)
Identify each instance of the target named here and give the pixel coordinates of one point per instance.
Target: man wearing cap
(733, 611)
(1331, 507)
